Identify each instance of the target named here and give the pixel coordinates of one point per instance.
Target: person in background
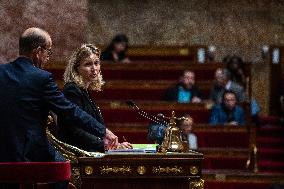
(228, 112)
(83, 74)
(185, 91)
(186, 127)
(218, 87)
(235, 66)
(116, 51)
(156, 132)
(223, 82)
(226, 59)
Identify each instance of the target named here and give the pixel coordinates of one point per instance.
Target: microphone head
(130, 103)
(160, 116)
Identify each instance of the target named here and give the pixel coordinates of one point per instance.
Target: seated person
(186, 127)
(116, 51)
(222, 83)
(218, 88)
(83, 73)
(228, 112)
(235, 66)
(185, 91)
(156, 132)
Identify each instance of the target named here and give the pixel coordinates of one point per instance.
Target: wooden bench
(143, 90)
(120, 112)
(145, 70)
(208, 136)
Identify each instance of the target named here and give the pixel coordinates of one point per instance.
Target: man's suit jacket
(220, 117)
(239, 90)
(217, 92)
(27, 94)
(78, 136)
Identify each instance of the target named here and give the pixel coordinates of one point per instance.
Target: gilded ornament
(122, 170)
(197, 184)
(89, 170)
(141, 170)
(193, 170)
(168, 170)
(76, 177)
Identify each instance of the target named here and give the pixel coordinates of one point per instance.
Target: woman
(116, 51)
(82, 74)
(186, 126)
(236, 67)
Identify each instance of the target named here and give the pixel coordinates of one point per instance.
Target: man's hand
(233, 123)
(196, 100)
(111, 140)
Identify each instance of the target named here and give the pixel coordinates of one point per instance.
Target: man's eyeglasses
(49, 51)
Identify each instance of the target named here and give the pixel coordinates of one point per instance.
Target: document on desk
(137, 148)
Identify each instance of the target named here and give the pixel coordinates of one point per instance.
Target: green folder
(146, 147)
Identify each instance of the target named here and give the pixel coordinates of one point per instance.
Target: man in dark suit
(185, 91)
(223, 82)
(27, 94)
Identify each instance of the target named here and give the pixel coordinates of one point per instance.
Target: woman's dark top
(77, 136)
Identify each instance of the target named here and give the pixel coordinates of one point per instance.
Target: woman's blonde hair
(71, 73)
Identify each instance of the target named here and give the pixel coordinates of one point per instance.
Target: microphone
(132, 104)
(145, 114)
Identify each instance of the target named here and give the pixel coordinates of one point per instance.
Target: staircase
(270, 142)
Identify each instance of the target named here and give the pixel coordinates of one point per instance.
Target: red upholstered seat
(34, 172)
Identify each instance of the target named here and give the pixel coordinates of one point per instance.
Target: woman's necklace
(93, 104)
(88, 95)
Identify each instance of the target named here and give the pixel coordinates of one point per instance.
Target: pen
(129, 146)
(124, 139)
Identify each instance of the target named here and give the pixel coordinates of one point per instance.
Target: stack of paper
(137, 148)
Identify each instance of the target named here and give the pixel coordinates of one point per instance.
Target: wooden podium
(142, 171)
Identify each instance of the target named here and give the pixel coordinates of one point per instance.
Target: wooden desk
(141, 171)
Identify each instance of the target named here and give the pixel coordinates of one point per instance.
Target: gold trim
(89, 170)
(193, 170)
(76, 177)
(160, 170)
(141, 170)
(199, 184)
(107, 170)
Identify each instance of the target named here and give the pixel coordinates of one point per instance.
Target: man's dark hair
(229, 92)
(31, 41)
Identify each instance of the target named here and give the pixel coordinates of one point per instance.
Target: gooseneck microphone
(141, 112)
(132, 104)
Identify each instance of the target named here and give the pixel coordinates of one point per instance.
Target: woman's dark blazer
(77, 136)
